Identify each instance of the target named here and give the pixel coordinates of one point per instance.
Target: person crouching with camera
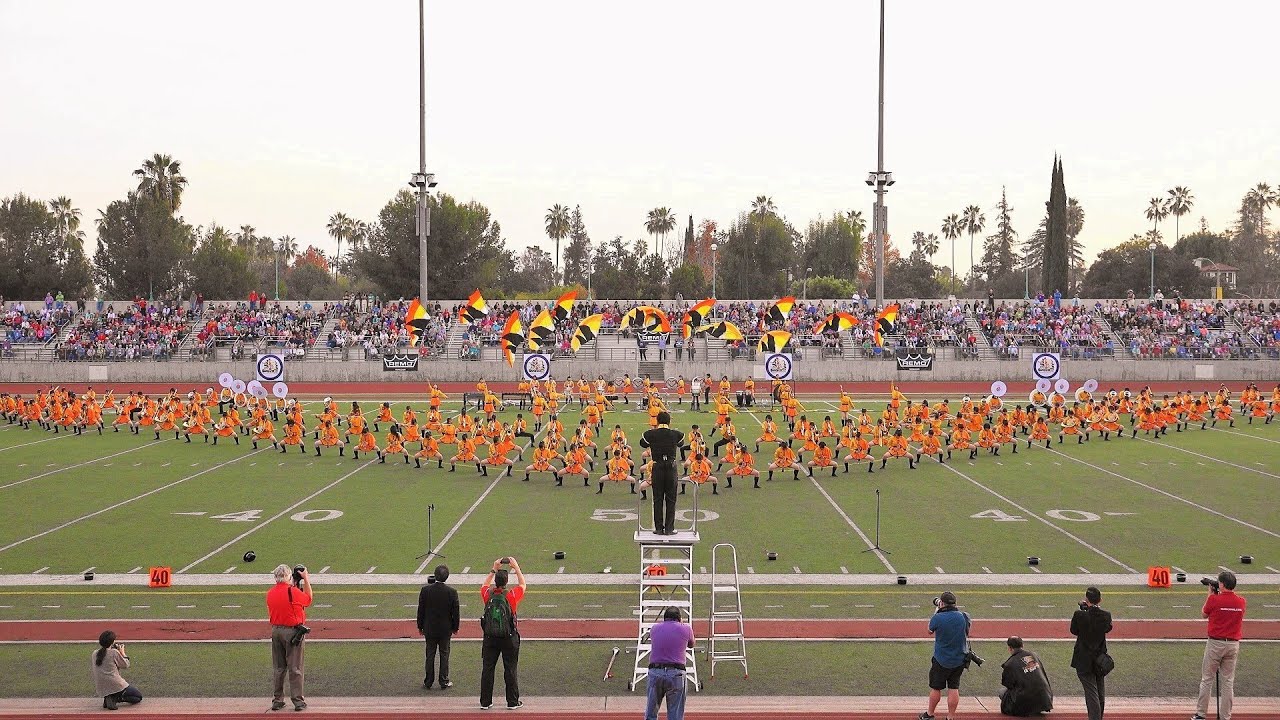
(286, 606)
(108, 660)
(950, 630)
(1026, 684)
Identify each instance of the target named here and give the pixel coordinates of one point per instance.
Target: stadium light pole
(277, 254)
(805, 296)
(880, 180)
(1152, 247)
(422, 180)
(714, 247)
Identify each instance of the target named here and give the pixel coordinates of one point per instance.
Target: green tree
(688, 281)
(652, 279)
(1057, 248)
(974, 222)
(755, 255)
(247, 239)
(1205, 244)
(161, 179)
(557, 226)
(577, 254)
(287, 246)
(831, 247)
(535, 272)
(998, 256)
(1157, 210)
(1127, 266)
(856, 220)
(340, 228)
(1179, 203)
(825, 287)
(219, 269)
(466, 249)
(37, 253)
(910, 277)
(952, 229)
(659, 222)
(307, 281)
(613, 270)
(142, 248)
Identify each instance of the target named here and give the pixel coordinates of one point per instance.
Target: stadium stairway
(1112, 335)
(319, 350)
(453, 340)
(985, 351)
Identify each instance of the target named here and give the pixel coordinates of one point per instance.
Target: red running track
(525, 714)
(397, 390)
(536, 629)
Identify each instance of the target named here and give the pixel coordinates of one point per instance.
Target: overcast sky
(284, 112)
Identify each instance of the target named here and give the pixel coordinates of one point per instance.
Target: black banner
(408, 361)
(914, 359)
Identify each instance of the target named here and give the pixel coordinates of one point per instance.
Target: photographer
(501, 638)
(950, 629)
(1026, 684)
(286, 607)
(670, 641)
(1225, 611)
(107, 662)
(438, 621)
(1090, 624)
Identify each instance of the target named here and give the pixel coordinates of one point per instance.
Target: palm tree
(161, 178)
(339, 228)
(917, 241)
(856, 220)
(359, 236)
(66, 216)
(763, 206)
(667, 224)
(557, 220)
(930, 245)
(659, 222)
(1179, 204)
(952, 228)
(287, 246)
(973, 221)
(245, 239)
(1157, 210)
(1259, 199)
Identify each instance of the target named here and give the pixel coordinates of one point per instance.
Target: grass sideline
(1100, 506)
(577, 668)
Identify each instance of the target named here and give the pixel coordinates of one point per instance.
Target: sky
(283, 113)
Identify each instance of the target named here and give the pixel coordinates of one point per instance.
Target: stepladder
(726, 638)
(666, 581)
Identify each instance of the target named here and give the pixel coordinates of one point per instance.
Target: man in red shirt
(286, 607)
(1225, 611)
(500, 641)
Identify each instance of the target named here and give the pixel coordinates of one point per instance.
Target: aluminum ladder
(726, 639)
(666, 580)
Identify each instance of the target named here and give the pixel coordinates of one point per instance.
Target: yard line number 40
(255, 515)
(1069, 515)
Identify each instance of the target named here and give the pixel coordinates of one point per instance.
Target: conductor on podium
(664, 447)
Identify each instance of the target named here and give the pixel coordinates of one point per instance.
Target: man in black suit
(664, 446)
(438, 621)
(1090, 624)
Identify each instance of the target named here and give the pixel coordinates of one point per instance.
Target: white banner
(536, 367)
(1046, 366)
(778, 366)
(269, 368)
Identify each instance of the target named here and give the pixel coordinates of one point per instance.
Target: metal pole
(1153, 275)
(713, 276)
(1026, 283)
(277, 272)
(424, 210)
(879, 220)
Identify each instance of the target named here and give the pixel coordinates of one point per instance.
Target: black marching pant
(509, 650)
(440, 644)
(664, 496)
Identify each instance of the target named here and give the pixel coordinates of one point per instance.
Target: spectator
(501, 631)
(1026, 683)
(107, 662)
(438, 621)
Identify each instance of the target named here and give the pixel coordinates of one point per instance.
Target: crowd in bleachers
(140, 331)
(1070, 328)
(379, 329)
(20, 325)
(248, 329)
(1184, 329)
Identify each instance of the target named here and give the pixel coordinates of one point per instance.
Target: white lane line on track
(1214, 459)
(35, 442)
(275, 517)
(122, 503)
(1060, 529)
(72, 467)
(1166, 493)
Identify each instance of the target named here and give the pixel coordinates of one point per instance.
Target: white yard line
(1060, 529)
(1210, 457)
(36, 442)
(1166, 493)
(122, 503)
(275, 517)
(1237, 432)
(72, 467)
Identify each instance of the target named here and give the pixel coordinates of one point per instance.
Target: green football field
(120, 503)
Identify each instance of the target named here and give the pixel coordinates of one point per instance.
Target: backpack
(497, 621)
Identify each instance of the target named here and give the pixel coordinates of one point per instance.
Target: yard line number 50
(624, 515)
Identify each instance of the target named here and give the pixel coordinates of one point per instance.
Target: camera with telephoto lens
(1212, 584)
(1083, 605)
(297, 574)
(937, 602)
(299, 631)
(972, 657)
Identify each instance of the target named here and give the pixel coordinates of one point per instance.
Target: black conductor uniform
(664, 446)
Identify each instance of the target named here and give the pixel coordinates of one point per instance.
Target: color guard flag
(775, 341)
(696, 315)
(415, 322)
(649, 318)
(780, 310)
(512, 337)
(884, 323)
(725, 330)
(475, 309)
(564, 306)
(542, 330)
(587, 330)
(838, 321)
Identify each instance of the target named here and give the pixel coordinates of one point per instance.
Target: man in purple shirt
(668, 641)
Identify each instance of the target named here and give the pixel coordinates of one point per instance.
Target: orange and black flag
(415, 322)
(648, 318)
(542, 330)
(779, 311)
(724, 330)
(775, 341)
(564, 306)
(587, 330)
(475, 309)
(838, 321)
(512, 337)
(884, 323)
(695, 316)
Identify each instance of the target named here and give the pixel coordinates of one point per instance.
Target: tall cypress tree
(1057, 248)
